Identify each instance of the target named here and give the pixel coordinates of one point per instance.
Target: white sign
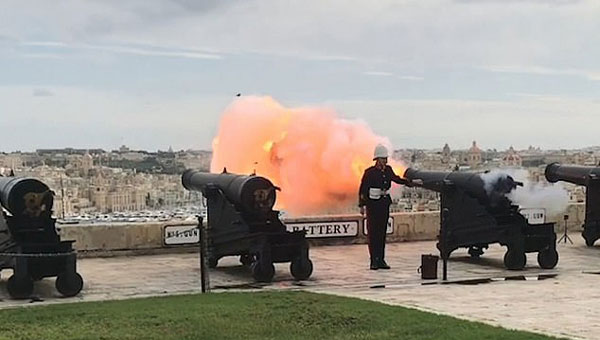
(326, 229)
(534, 215)
(389, 229)
(181, 234)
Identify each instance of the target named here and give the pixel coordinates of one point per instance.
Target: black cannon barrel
(575, 174)
(251, 193)
(25, 196)
(473, 183)
(434, 180)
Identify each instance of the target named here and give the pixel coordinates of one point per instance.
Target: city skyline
(89, 184)
(116, 148)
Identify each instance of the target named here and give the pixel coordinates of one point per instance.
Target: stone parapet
(150, 238)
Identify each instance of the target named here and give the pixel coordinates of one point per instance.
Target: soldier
(374, 196)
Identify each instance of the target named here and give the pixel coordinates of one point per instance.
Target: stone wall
(148, 238)
(576, 213)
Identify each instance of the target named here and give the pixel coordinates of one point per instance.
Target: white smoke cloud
(554, 198)
(491, 178)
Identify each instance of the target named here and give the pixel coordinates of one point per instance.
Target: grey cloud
(98, 26)
(56, 44)
(205, 5)
(42, 93)
(417, 35)
(119, 15)
(406, 77)
(42, 55)
(334, 58)
(539, 2)
(541, 70)
(5, 39)
(153, 52)
(118, 49)
(7, 42)
(378, 73)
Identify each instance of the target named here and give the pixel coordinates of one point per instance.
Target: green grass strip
(265, 315)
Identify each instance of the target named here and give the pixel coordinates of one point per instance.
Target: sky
(151, 74)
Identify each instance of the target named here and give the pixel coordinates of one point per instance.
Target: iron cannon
(242, 222)
(476, 212)
(29, 240)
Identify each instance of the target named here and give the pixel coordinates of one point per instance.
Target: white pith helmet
(380, 152)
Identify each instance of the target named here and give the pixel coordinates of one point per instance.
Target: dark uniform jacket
(377, 178)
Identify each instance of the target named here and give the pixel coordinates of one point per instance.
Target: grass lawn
(275, 315)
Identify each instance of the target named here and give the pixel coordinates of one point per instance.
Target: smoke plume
(315, 157)
(552, 197)
(492, 179)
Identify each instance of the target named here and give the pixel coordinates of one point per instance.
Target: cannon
(29, 240)
(475, 213)
(589, 177)
(242, 222)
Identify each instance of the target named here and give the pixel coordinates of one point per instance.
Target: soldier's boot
(383, 265)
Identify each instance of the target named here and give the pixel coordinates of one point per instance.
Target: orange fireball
(315, 157)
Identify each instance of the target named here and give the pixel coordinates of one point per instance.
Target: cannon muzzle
(588, 176)
(254, 194)
(23, 196)
(575, 174)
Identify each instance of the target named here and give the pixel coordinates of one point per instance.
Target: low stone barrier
(161, 237)
(155, 237)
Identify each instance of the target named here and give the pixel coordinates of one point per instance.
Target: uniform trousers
(378, 213)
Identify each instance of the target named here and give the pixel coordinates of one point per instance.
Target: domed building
(446, 154)
(87, 163)
(80, 165)
(512, 158)
(474, 156)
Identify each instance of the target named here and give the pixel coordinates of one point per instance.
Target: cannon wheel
(301, 269)
(69, 284)
(548, 258)
(515, 260)
(263, 272)
(19, 287)
(246, 259)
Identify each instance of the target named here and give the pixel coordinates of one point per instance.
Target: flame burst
(316, 158)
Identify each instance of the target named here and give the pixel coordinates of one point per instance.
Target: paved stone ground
(562, 301)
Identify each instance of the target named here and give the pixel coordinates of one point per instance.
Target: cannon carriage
(476, 213)
(242, 222)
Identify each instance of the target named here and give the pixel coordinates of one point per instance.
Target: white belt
(377, 193)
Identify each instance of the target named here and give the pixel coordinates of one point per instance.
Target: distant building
(69, 151)
(446, 154)
(511, 158)
(80, 165)
(473, 156)
(11, 161)
(117, 198)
